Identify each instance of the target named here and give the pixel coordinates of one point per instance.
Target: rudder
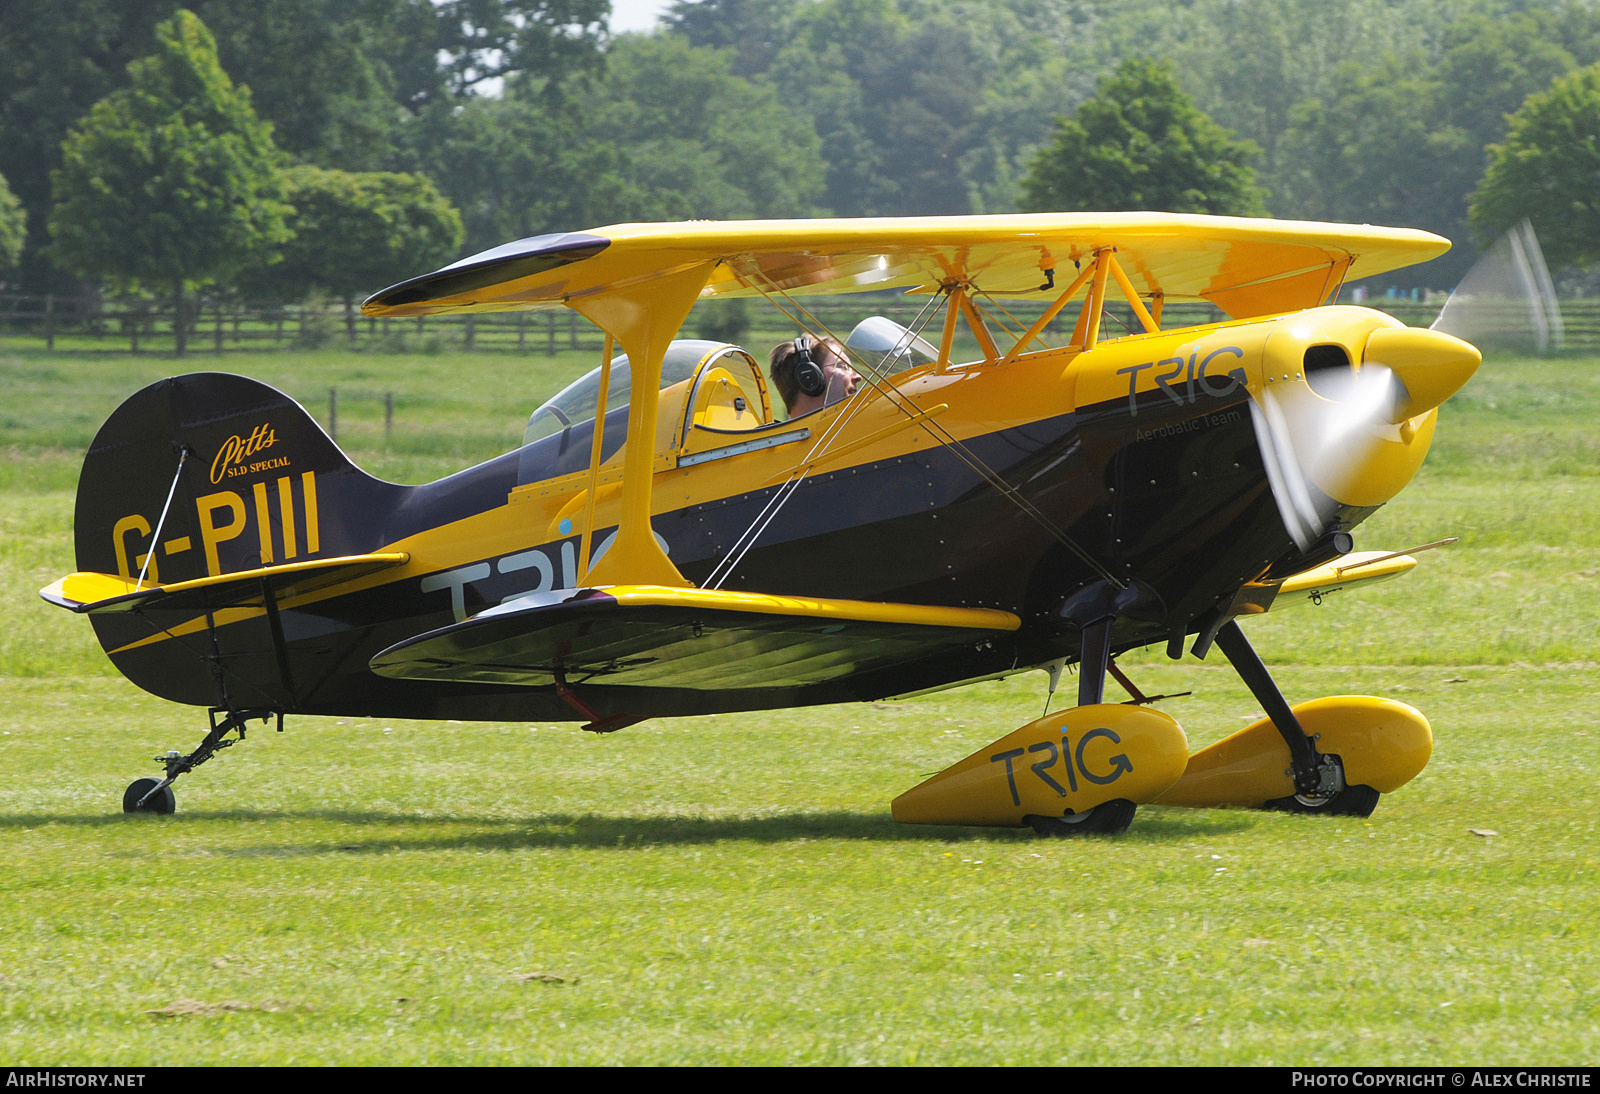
(208, 474)
(256, 472)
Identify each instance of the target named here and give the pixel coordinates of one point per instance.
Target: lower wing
(655, 636)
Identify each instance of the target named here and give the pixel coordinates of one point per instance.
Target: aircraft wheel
(1105, 819)
(163, 802)
(1352, 801)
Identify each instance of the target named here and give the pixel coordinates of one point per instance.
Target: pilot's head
(811, 372)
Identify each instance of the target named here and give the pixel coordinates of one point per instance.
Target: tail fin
(210, 474)
(260, 483)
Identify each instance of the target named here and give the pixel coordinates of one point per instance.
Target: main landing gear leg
(1319, 781)
(1094, 610)
(1093, 661)
(149, 795)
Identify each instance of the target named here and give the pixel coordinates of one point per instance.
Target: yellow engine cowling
(1066, 762)
(1383, 744)
(1357, 456)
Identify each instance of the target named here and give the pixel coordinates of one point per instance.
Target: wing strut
(1145, 319)
(644, 317)
(980, 329)
(1087, 332)
(948, 338)
(594, 459)
(1049, 314)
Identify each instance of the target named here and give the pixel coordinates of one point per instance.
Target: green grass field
(732, 890)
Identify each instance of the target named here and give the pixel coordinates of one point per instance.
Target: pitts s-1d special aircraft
(666, 543)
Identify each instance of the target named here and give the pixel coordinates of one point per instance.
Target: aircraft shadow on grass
(620, 832)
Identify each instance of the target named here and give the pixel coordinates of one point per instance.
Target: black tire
(1106, 819)
(163, 802)
(1352, 801)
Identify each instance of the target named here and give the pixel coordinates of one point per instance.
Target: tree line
(270, 147)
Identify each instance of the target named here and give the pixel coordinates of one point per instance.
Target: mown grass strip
(731, 889)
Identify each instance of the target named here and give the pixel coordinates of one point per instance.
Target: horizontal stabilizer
(98, 593)
(706, 639)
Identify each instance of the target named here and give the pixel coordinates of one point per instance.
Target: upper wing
(654, 636)
(1245, 267)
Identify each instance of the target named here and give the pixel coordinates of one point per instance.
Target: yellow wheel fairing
(1382, 744)
(1074, 760)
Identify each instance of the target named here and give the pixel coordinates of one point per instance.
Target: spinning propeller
(1507, 300)
(1343, 418)
(1339, 429)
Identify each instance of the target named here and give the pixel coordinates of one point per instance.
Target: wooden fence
(89, 324)
(93, 324)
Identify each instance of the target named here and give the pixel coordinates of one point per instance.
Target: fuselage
(1001, 484)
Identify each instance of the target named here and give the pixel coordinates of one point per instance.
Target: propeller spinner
(1348, 410)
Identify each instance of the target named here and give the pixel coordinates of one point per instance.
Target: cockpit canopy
(706, 387)
(708, 390)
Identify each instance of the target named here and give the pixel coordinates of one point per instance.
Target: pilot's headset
(808, 375)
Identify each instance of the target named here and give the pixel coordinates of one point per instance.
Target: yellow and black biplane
(666, 542)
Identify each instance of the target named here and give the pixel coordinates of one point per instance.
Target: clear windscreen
(886, 346)
(731, 378)
(577, 403)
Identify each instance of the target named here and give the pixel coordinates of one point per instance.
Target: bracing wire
(937, 431)
(972, 460)
(781, 497)
(161, 523)
(1021, 326)
(769, 512)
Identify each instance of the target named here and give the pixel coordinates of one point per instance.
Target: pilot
(810, 373)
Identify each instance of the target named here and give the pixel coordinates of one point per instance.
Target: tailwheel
(1352, 801)
(155, 795)
(149, 796)
(1106, 819)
